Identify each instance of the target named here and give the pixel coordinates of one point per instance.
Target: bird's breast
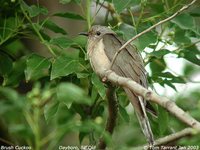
(98, 57)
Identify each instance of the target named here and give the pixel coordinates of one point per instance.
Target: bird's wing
(130, 64)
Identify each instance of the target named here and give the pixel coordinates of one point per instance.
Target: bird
(102, 44)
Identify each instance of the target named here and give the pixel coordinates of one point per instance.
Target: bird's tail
(139, 106)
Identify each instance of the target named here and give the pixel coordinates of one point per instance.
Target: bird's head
(96, 32)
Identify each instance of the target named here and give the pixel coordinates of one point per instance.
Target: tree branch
(175, 136)
(112, 114)
(149, 29)
(170, 138)
(151, 96)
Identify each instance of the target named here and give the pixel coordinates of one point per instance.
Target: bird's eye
(98, 33)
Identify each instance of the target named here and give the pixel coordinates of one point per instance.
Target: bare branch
(150, 28)
(151, 96)
(175, 136)
(170, 138)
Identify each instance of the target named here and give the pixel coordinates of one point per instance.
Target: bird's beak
(83, 33)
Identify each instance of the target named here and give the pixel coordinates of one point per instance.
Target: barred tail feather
(144, 123)
(139, 106)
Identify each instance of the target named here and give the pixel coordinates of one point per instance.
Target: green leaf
(5, 64)
(169, 79)
(37, 67)
(62, 42)
(122, 97)
(184, 21)
(157, 79)
(145, 40)
(70, 15)
(54, 27)
(164, 74)
(12, 97)
(127, 30)
(45, 36)
(81, 136)
(110, 1)
(80, 40)
(157, 65)
(123, 113)
(64, 115)
(98, 85)
(9, 27)
(63, 66)
(157, 7)
(34, 10)
(180, 37)
(14, 48)
(120, 5)
(160, 53)
(20, 129)
(79, 110)
(64, 1)
(195, 11)
(17, 73)
(50, 110)
(191, 54)
(169, 83)
(94, 93)
(77, 1)
(177, 80)
(163, 120)
(98, 110)
(24, 6)
(82, 75)
(5, 107)
(68, 93)
(190, 69)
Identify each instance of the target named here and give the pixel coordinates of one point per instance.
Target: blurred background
(49, 95)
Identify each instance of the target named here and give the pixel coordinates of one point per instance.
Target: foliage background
(49, 95)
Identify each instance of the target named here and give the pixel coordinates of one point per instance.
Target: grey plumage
(102, 45)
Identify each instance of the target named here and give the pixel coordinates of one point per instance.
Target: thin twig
(5, 142)
(149, 29)
(97, 10)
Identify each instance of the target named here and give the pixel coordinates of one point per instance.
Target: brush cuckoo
(102, 45)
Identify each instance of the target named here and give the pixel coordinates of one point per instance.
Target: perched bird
(102, 45)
